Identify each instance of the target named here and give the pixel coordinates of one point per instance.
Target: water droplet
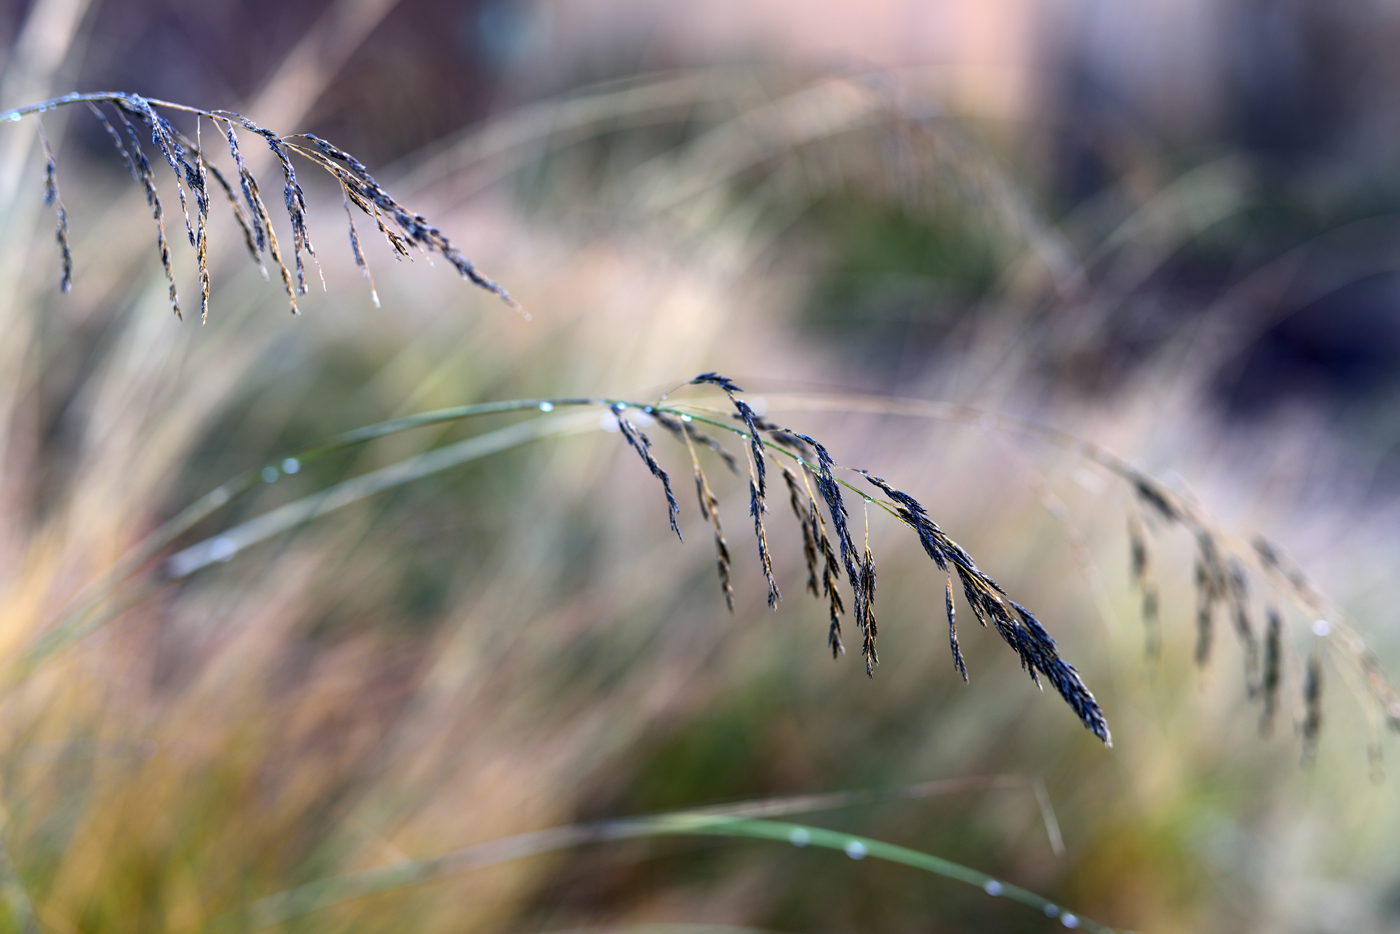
(1051, 911)
(855, 849)
(270, 474)
(869, 500)
(686, 418)
(800, 837)
(291, 465)
(744, 436)
(619, 405)
(992, 888)
(546, 406)
(1322, 627)
(14, 118)
(222, 549)
(647, 410)
(1069, 920)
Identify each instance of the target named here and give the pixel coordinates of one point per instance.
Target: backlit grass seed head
(191, 165)
(1017, 626)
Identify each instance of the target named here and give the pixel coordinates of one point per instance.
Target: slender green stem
(324, 893)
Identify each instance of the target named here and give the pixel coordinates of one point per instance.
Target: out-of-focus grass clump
(519, 642)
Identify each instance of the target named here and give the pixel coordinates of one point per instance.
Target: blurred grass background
(1167, 230)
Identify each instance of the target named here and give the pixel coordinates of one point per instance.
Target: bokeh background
(1167, 228)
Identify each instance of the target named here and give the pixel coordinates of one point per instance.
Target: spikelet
(355, 247)
(1311, 726)
(52, 200)
(1211, 588)
(144, 175)
(958, 663)
(163, 138)
(756, 509)
(709, 504)
(1239, 598)
(1142, 576)
(642, 445)
(809, 543)
(1271, 676)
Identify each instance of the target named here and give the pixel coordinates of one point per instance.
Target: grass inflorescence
(404, 230)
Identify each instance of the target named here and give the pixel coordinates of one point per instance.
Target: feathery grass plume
(52, 200)
(709, 503)
(1017, 626)
(1311, 726)
(1142, 576)
(145, 176)
(642, 445)
(958, 662)
(1272, 673)
(358, 185)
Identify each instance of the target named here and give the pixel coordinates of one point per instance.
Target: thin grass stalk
(732, 821)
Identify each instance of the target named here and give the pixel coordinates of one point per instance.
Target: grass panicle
(192, 167)
(1017, 626)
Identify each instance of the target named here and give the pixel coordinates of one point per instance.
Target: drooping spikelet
(52, 200)
(958, 663)
(642, 445)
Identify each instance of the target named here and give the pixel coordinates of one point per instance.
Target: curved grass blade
(732, 821)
